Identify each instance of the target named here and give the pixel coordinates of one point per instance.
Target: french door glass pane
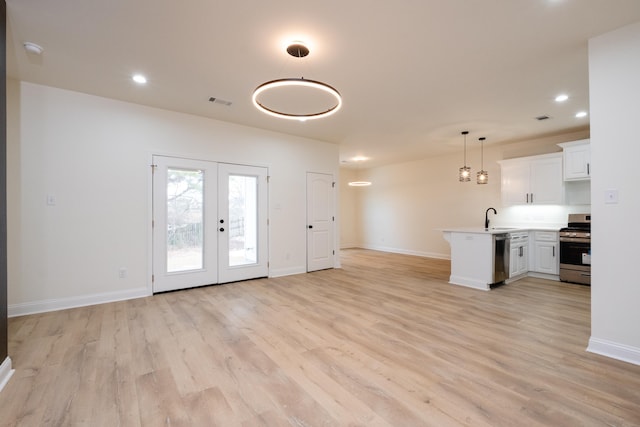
(243, 224)
(185, 249)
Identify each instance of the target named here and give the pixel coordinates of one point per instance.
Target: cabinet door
(514, 254)
(546, 257)
(577, 162)
(518, 261)
(515, 184)
(523, 259)
(547, 184)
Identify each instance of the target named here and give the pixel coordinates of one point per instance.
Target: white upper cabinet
(535, 180)
(577, 160)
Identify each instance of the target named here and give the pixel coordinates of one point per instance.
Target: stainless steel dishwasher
(501, 251)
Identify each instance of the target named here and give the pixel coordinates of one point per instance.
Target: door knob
(221, 229)
(222, 221)
(311, 226)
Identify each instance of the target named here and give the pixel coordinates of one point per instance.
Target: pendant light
(482, 175)
(464, 173)
(265, 97)
(359, 182)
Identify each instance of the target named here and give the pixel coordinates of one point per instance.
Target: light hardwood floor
(384, 341)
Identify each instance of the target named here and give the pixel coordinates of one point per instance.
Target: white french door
(209, 223)
(242, 222)
(320, 221)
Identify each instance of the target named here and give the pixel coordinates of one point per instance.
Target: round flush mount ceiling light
(139, 78)
(33, 48)
(297, 98)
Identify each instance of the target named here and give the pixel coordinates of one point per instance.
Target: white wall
(350, 225)
(93, 154)
(408, 203)
(614, 70)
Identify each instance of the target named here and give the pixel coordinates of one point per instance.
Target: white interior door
(242, 222)
(184, 228)
(320, 221)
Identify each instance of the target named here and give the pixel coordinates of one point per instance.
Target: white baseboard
(544, 276)
(279, 272)
(72, 302)
(406, 252)
(5, 372)
(623, 352)
(469, 283)
(349, 245)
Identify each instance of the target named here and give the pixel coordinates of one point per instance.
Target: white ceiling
(412, 73)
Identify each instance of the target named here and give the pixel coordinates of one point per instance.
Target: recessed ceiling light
(581, 114)
(562, 97)
(139, 78)
(360, 159)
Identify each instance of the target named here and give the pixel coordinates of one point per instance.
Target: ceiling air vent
(220, 101)
(540, 118)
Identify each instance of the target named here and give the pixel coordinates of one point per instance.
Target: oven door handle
(575, 240)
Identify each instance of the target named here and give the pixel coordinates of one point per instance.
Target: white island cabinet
(472, 256)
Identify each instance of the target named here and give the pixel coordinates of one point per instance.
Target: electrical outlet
(611, 197)
(122, 273)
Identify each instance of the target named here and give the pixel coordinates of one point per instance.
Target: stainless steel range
(575, 250)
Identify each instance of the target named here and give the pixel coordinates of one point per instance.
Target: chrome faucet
(486, 217)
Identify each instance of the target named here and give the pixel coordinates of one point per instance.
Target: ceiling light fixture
(33, 48)
(139, 78)
(482, 175)
(359, 159)
(464, 173)
(298, 89)
(562, 97)
(581, 114)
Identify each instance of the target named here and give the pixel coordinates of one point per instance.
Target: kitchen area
(507, 248)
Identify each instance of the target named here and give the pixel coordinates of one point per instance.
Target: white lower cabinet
(545, 257)
(519, 255)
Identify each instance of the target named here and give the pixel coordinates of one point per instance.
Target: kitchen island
(473, 256)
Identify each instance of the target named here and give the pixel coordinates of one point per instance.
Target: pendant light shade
(482, 176)
(464, 173)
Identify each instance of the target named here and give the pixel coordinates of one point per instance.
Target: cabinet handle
(531, 198)
(553, 251)
(521, 250)
(527, 197)
(588, 169)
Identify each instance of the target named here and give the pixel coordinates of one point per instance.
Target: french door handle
(221, 229)
(311, 226)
